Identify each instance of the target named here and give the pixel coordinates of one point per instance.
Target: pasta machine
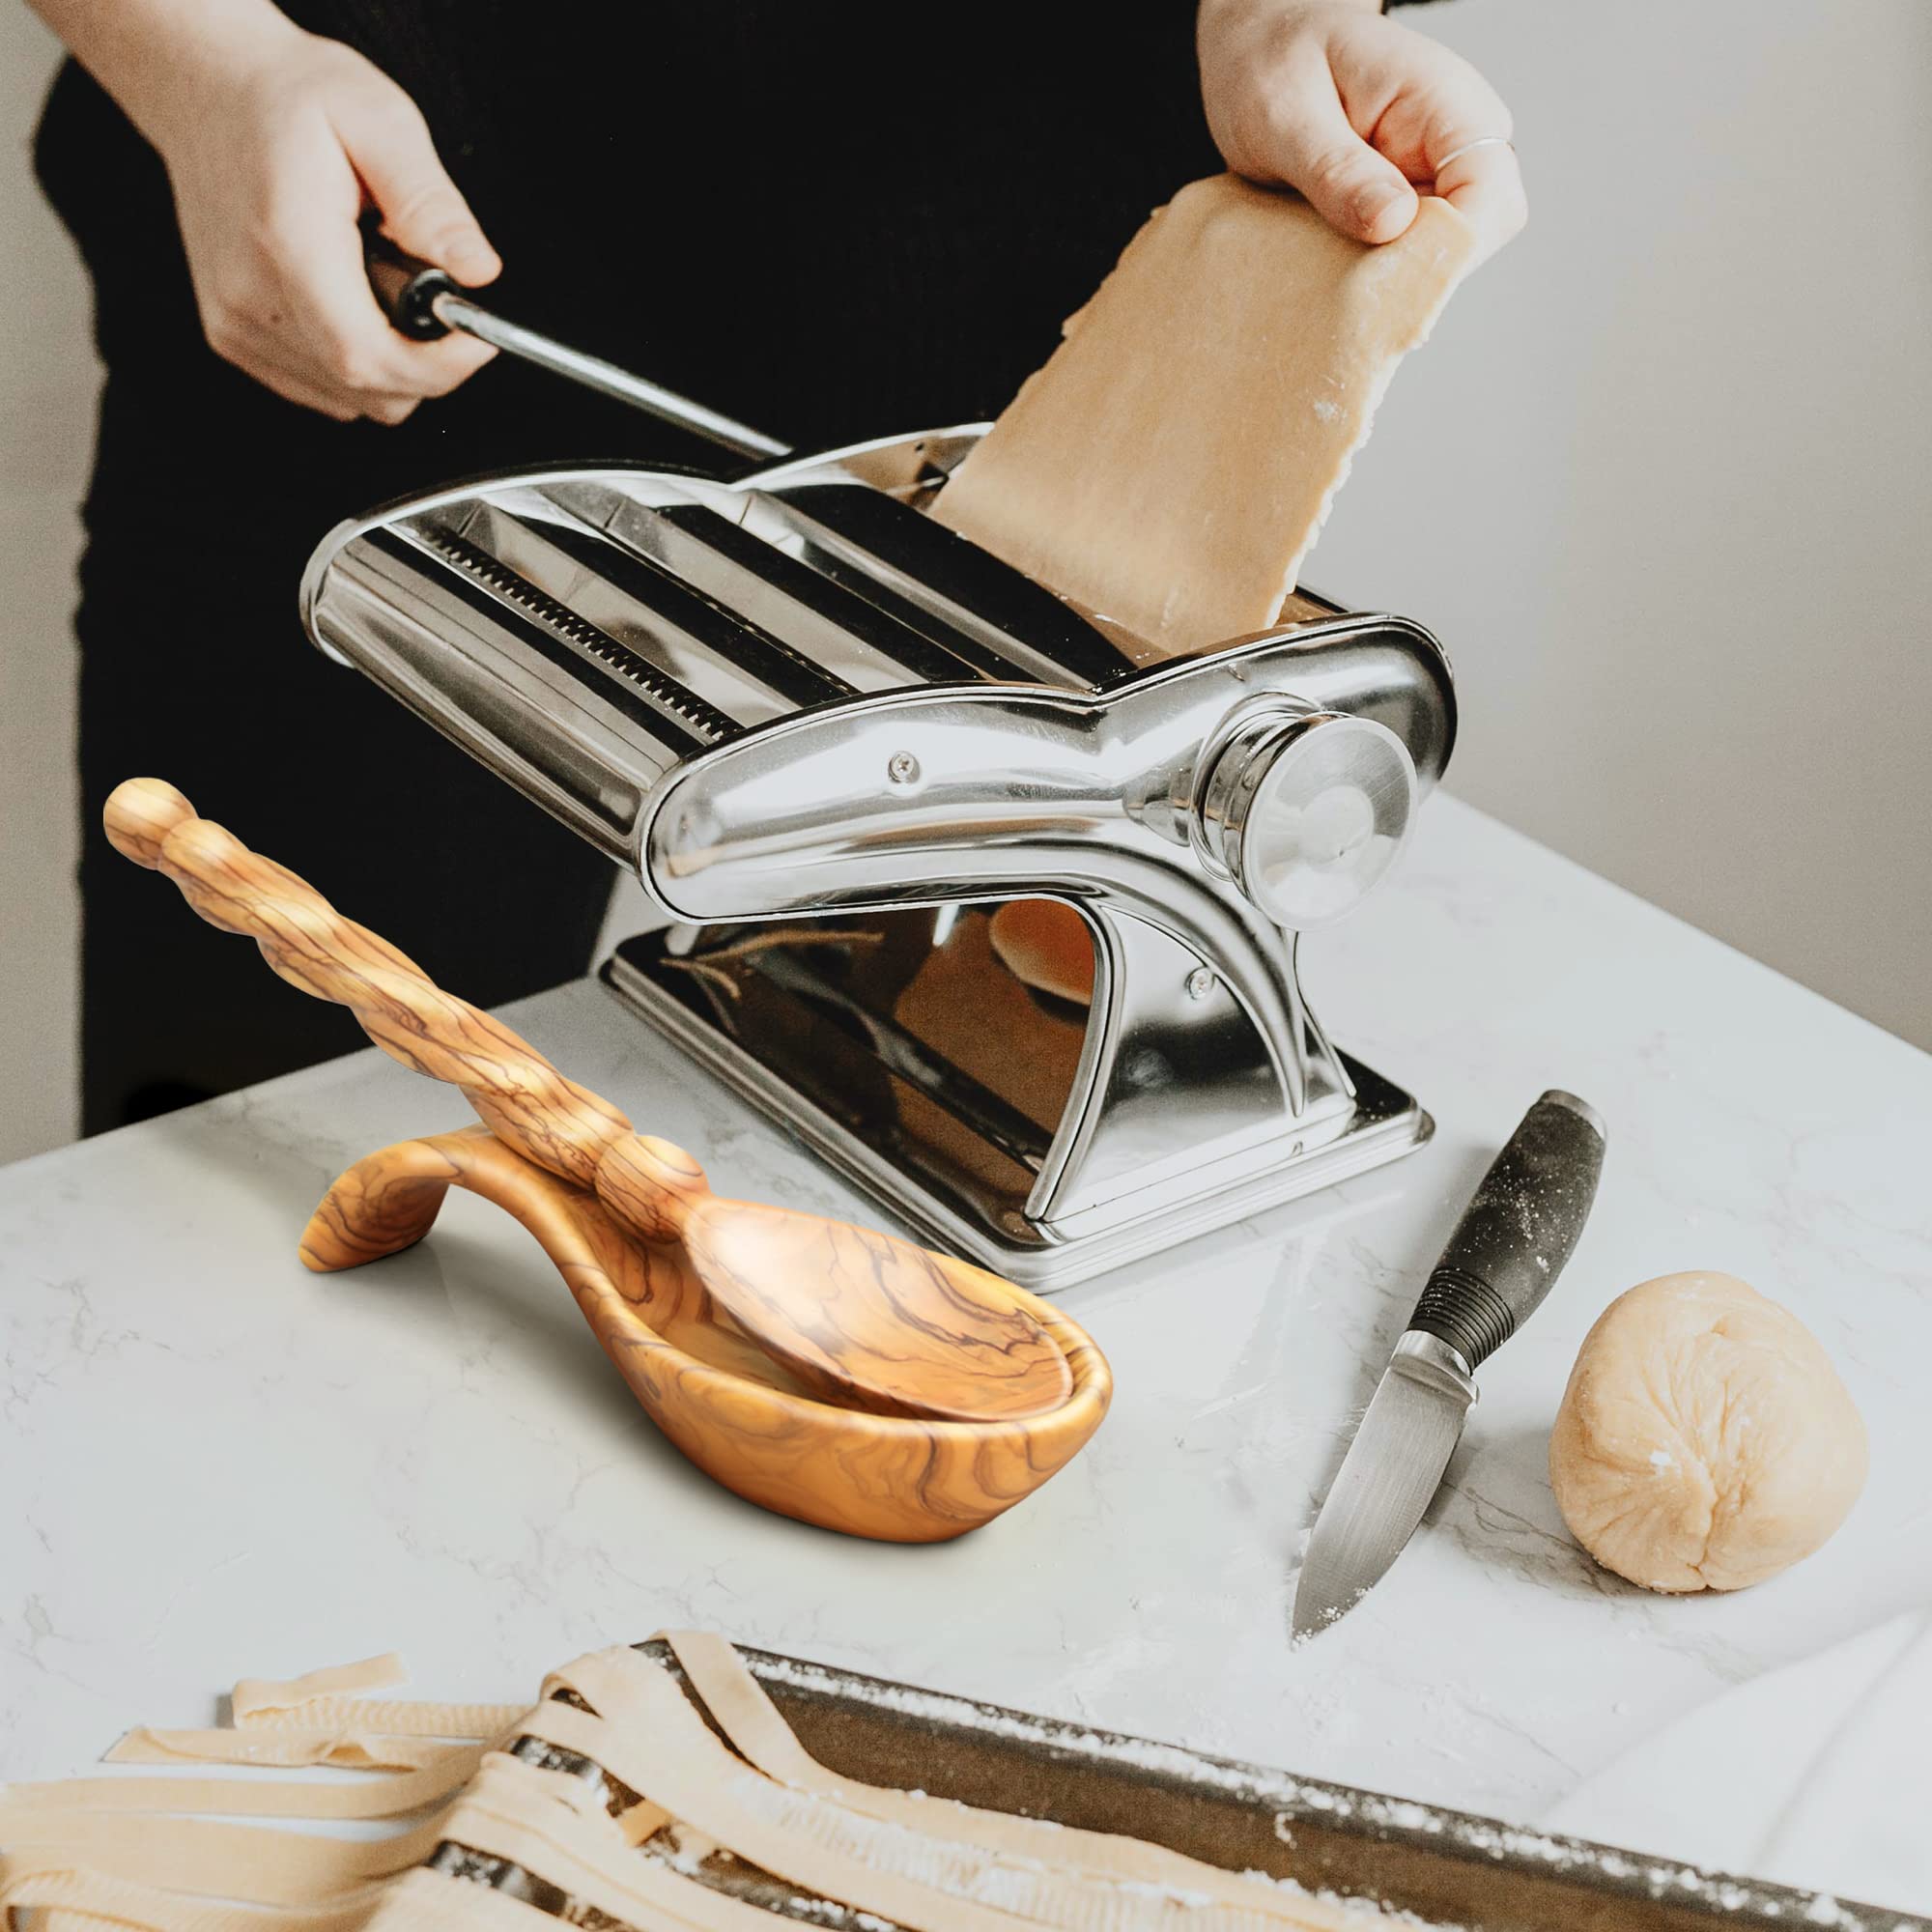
(834, 740)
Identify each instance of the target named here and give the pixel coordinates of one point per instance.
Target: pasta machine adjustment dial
(1305, 811)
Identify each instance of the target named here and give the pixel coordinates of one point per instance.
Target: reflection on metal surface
(793, 698)
(1306, 810)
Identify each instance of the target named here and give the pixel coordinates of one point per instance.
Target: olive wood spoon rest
(861, 1318)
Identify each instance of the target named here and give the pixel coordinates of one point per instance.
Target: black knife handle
(406, 286)
(1518, 1232)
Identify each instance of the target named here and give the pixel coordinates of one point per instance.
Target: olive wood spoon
(861, 1318)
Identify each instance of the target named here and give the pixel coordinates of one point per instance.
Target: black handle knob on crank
(409, 290)
(1519, 1231)
(406, 286)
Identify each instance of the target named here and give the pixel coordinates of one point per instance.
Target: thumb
(387, 142)
(1357, 192)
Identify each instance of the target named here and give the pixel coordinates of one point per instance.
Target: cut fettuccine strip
(658, 1796)
(1172, 463)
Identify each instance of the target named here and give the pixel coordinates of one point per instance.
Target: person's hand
(1356, 113)
(273, 150)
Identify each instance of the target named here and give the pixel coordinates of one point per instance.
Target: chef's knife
(1504, 1257)
(423, 303)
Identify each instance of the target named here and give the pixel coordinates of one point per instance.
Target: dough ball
(1705, 1441)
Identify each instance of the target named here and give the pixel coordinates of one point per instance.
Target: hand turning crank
(862, 1318)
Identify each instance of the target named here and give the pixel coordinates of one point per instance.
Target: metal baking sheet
(1446, 1867)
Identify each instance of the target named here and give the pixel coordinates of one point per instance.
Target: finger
(387, 142)
(1484, 186)
(435, 368)
(422, 370)
(1427, 108)
(349, 340)
(1308, 140)
(1414, 99)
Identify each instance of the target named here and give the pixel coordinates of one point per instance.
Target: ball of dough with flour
(1705, 1441)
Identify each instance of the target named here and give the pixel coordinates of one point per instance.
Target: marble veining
(212, 1461)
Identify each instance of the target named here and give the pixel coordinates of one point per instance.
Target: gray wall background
(1661, 483)
(48, 379)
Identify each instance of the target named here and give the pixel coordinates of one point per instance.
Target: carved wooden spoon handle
(516, 1092)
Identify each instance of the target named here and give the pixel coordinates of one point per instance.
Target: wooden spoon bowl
(857, 1315)
(739, 1416)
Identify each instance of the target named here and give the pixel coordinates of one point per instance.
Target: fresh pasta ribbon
(641, 1793)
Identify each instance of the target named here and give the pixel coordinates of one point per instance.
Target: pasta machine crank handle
(424, 302)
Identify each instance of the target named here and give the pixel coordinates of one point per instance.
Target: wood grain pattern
(738, 1415)
(860, 1317)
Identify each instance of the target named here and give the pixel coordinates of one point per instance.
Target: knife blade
(1520, 1229)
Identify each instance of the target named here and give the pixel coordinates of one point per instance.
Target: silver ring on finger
(1471, 147)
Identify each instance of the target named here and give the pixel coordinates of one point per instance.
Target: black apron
(833, 221)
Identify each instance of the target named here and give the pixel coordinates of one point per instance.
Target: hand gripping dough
(1705, 1442)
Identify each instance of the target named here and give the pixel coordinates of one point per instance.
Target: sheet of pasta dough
(1172, 465)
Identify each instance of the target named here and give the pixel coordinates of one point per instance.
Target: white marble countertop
(212, 1462)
